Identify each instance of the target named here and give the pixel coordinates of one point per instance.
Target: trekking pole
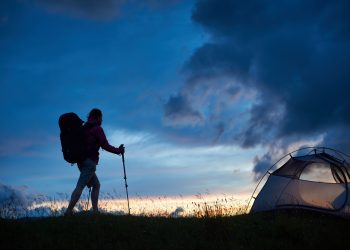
(126, 184)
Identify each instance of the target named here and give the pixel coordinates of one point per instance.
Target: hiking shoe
(68, 213)
(96, 212)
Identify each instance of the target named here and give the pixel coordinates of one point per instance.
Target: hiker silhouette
(95, 139)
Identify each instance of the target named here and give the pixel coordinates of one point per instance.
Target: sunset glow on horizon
(165, 206)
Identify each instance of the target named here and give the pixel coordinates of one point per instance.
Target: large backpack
(73, 140)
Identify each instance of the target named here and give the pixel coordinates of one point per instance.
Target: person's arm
(102, 140)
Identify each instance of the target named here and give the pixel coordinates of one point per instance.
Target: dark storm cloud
(298, 52)
(179, 111)
(295, 54)
(263, 123)
(97, 9)
(261, 165)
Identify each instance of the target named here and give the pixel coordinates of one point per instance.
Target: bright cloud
(179, 168)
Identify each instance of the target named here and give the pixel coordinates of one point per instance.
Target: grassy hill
(272, 230)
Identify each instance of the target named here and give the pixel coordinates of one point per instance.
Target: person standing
(95, 139)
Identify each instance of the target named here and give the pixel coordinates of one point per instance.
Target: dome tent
(318, 180)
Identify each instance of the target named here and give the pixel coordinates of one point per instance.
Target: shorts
(87, 176)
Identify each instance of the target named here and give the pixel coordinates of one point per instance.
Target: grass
(288, 229)
(162, 206)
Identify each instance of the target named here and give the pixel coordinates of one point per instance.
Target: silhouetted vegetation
(289, 229)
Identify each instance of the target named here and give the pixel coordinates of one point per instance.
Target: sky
(204, 94)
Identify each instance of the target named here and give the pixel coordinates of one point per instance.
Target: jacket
(96, 139)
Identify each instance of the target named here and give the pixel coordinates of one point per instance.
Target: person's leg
(95, 183)
(87, 171)
(74, 199)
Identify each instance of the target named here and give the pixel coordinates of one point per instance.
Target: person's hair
(95, 113)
